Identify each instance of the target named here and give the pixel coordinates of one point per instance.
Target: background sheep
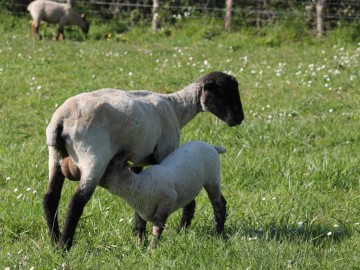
(53, 12)
(162, 189)
(93, 127)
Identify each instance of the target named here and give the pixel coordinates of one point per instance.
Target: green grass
(291, 173)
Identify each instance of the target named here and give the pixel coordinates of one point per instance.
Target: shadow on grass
(318, 235)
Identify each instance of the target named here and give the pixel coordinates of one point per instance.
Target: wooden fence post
(228, 15)
(155, 19)
(320, 17)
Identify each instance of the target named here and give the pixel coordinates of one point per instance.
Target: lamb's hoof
(153, 244)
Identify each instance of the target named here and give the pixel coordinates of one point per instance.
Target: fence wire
(251, 10)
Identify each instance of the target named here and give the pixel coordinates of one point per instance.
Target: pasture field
(291, 173)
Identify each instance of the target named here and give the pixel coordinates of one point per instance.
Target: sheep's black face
(221, 97)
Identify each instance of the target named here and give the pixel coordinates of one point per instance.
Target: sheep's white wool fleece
(50, 11)
(100, 124)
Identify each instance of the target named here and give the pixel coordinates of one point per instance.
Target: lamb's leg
(53, 194)
(219, 205)
(220, 214)
(162, 212)
(187, 214)
(158, 228)
(139, 223)
(139, 229)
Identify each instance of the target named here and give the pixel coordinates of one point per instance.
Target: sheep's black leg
(74, 212)
(60, 33)
(139, 228)
(51, 203)
(220, 214)
(187, 214)
(35, 30)
(219, 205)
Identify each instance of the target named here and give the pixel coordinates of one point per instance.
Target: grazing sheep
(162, 189)
(93, 127)
(53, 12)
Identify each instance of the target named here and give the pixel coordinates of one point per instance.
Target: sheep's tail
(53, 134)
(220, 149)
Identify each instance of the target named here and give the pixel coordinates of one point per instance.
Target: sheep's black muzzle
(234, 122)
(235, 117)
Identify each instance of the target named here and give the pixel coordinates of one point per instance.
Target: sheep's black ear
(209, 86)
(83, 15)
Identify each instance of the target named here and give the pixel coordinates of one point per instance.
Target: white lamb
(89, 129)
(162, 189)
(53, 12)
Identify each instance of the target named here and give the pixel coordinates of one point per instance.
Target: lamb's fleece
(172, 184)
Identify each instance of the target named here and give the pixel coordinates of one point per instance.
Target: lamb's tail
(220, 149)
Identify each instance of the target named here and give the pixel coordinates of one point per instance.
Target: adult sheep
(93, 127)
(53, 12)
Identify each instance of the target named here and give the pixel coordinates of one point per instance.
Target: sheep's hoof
(153, 244)
(139, 240)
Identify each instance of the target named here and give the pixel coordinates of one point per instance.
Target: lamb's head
(220, 96)
(84, 24)
(119, 166)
